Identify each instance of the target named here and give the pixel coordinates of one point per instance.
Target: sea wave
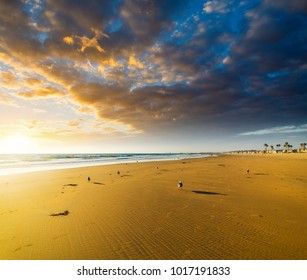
(21, 163)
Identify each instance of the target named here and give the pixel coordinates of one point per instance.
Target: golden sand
(222, 212)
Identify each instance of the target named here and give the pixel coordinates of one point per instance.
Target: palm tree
(272, 147)
(303, 146)
(266, 146)
(286, 146)
(277, 146)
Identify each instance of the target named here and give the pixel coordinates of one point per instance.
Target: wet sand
(222, 212)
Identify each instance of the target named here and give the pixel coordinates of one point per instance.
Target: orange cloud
(85, 110)
(8, 80)
(68, 40)
(134, 62)
(90, 43)
(110, 62)
(33, 81)
(41, 93)
(4, 57)
(73, 123)
(8, 77)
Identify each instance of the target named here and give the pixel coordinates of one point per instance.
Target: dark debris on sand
(65, 213)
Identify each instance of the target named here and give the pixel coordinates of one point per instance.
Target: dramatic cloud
(145, 66)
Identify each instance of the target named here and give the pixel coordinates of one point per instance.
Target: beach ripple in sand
(219, 214)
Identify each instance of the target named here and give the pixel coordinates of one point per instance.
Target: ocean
(22, 163)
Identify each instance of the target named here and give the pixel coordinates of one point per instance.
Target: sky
(152, 76)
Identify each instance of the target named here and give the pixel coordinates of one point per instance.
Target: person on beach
(180, 185)
(88, 179)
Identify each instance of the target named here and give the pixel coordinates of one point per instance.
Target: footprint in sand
(8, 212)
(19, 248)
(197, 228)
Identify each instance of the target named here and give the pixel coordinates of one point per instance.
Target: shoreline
(26, 170)
(222, 212)
(59, 166)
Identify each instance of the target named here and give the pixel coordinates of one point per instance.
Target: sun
(15, 144)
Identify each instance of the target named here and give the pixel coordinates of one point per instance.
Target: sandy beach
(222, 212)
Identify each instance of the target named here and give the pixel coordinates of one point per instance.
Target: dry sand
(223, 212)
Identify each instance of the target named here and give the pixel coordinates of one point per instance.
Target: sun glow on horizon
(16, 143)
